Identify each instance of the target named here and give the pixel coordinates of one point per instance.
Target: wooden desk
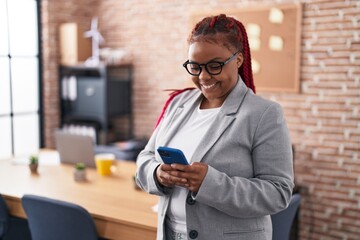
(119, 211)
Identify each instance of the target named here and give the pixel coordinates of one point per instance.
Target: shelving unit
(95, 96)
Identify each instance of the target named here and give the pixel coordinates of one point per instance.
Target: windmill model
(96, 40)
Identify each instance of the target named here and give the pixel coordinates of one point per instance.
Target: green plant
(34, 159)
(80, 166)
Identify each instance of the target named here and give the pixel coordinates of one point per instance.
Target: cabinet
(96, 96)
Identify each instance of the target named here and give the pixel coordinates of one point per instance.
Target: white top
(187, 139)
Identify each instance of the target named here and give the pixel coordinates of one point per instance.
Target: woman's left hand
(194, 173)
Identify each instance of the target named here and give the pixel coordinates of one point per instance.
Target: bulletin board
(274, 34)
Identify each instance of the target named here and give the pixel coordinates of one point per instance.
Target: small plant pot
(79, 175)
(33, 168)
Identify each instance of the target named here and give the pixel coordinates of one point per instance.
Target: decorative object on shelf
(96, 40)
(33, 163)
(74, 47)
(115, 56)
(80, 172)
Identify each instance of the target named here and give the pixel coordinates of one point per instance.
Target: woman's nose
(204, 73)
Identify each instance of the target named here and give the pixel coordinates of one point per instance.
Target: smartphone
(172, 155)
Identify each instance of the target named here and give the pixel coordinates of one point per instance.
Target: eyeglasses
(212, 67)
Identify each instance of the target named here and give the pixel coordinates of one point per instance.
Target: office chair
(4, 217)
(282, 221)
(58, 220)
(12, 228)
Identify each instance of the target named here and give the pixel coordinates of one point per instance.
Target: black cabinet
(96, 96)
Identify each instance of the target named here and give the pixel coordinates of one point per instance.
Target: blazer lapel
(222, 121)
(212, 136)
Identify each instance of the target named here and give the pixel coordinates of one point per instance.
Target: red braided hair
(226, 31)
(173, 94)
(231, 33)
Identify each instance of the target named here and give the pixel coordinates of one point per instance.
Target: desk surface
(119, 211)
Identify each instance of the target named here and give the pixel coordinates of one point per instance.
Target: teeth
(208, 86)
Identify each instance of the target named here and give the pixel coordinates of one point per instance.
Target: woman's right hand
(166, 179)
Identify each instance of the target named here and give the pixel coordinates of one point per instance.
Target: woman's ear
(239, 60)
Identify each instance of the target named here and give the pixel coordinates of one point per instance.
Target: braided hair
(231, 34)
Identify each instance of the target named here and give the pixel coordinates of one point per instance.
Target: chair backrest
(55, 219)
(4, 217)
(282, 221)
(12, 227)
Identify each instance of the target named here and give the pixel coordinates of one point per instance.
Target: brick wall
(323, 118)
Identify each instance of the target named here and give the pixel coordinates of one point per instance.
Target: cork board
(274, 34)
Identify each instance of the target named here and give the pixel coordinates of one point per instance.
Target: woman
(237, 145)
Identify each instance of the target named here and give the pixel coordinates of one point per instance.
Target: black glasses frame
(221, 64)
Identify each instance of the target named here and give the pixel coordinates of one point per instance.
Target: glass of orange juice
(104, 163)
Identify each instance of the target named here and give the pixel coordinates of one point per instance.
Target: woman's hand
(191, 176)
(164, 175)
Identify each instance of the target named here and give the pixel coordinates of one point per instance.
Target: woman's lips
(209, 86)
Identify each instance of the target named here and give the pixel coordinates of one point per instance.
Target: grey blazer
(250, 173)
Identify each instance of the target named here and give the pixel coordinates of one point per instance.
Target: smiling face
(215, 88)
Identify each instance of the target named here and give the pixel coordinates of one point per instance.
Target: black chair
(58, 220)
(12, 228)
(4, 217)
(283, 220)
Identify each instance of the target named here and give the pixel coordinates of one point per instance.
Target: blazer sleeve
(147, 164)
(270, 188)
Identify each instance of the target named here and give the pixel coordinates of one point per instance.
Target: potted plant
(33, 163)
(79, 172)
